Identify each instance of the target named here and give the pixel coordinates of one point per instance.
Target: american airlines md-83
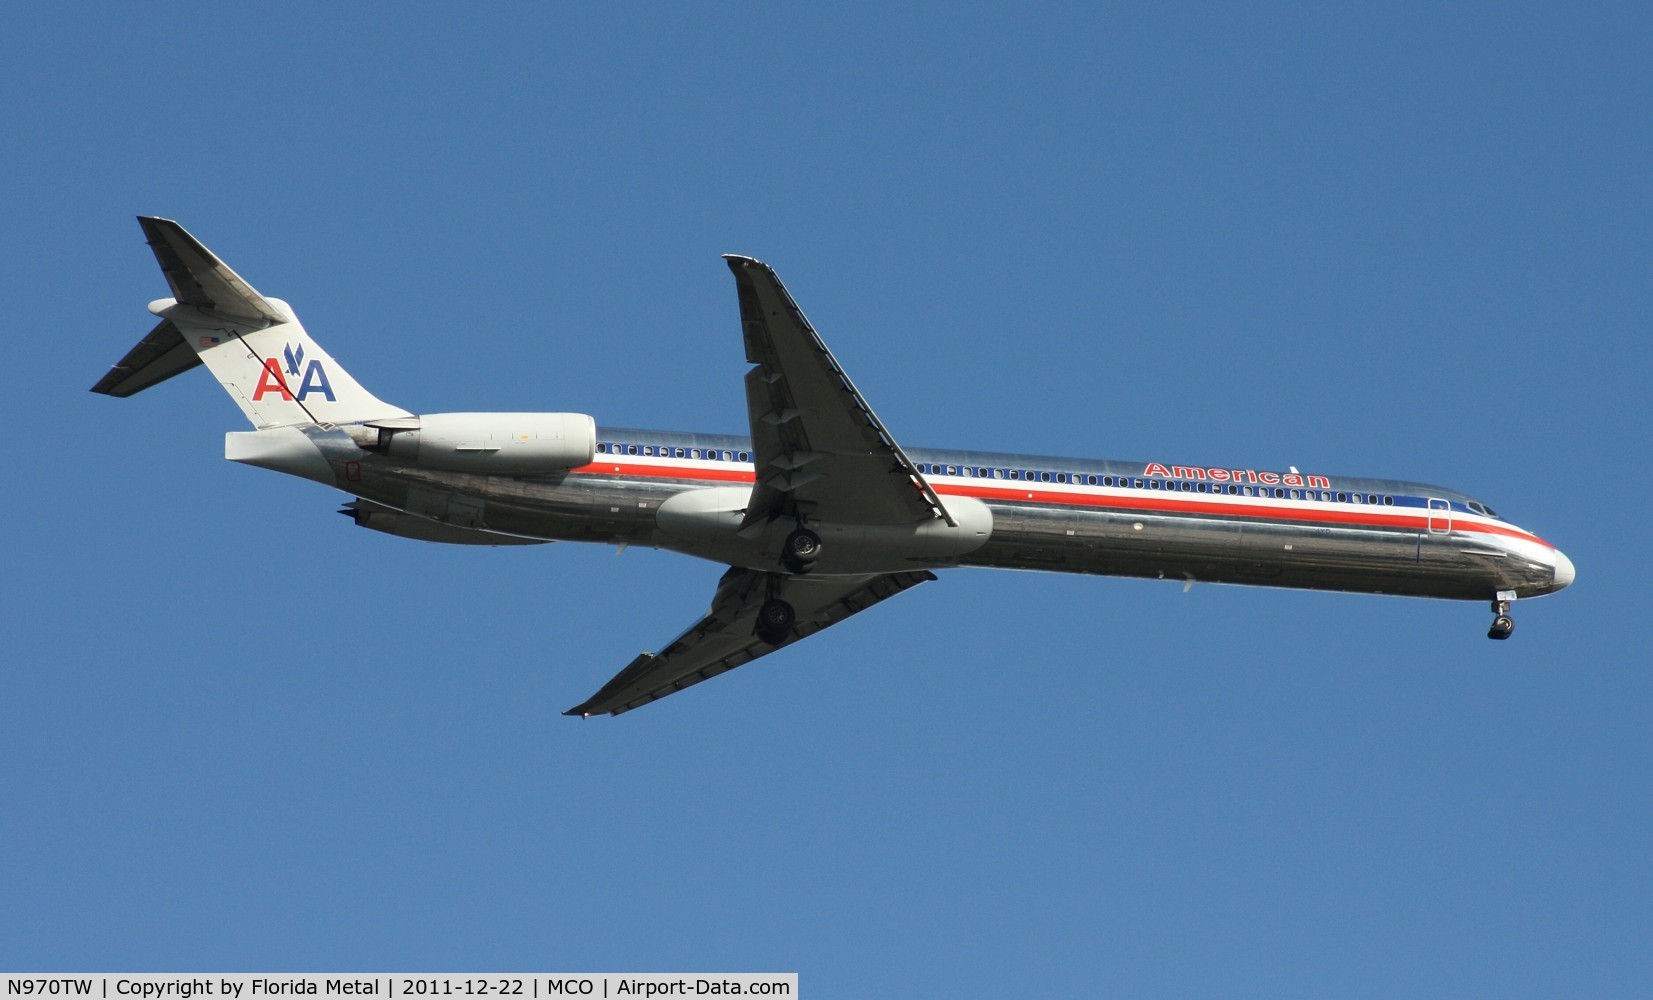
(819, 512)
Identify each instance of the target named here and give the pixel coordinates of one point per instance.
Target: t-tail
(254, 345)
(312, 419)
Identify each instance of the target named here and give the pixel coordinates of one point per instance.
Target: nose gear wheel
(1502, 623)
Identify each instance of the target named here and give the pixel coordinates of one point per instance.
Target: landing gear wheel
(801, 551)
(1503, 624)
(775, 621)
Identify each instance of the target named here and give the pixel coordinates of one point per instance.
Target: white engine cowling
(508, 444)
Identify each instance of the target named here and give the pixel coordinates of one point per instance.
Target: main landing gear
(1502, 623)
(775, 621)
(799, 554)
(801, 551)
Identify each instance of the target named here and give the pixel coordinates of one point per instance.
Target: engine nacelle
(506, 444)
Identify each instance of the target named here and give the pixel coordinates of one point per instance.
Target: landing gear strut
(801, 551)
(1502, 623)
(775, 621)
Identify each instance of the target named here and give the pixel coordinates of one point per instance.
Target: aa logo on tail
(273, 379)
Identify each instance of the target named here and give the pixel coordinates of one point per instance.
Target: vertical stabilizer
(255, 346)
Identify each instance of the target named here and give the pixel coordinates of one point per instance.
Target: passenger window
(1044, 477)
(631, 449)
(1296, 494)
(1388, 501)
(1354, 497)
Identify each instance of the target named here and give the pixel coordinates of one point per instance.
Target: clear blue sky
(241, 734)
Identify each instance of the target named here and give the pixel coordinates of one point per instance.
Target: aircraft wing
(817, 445)
(724, 639)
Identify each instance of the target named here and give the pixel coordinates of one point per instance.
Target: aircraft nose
(1563, 570)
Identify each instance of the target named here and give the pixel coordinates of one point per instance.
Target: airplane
(818, 513)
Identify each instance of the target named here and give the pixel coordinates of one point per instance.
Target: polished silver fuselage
(819, 513)
(1053, 514)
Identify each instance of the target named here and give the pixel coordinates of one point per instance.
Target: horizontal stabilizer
(199, 279)
(156, 358)
(255, 347)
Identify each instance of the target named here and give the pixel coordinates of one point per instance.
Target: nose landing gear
(1502, 623)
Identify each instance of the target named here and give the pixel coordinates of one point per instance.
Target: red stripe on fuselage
(1173, 503)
